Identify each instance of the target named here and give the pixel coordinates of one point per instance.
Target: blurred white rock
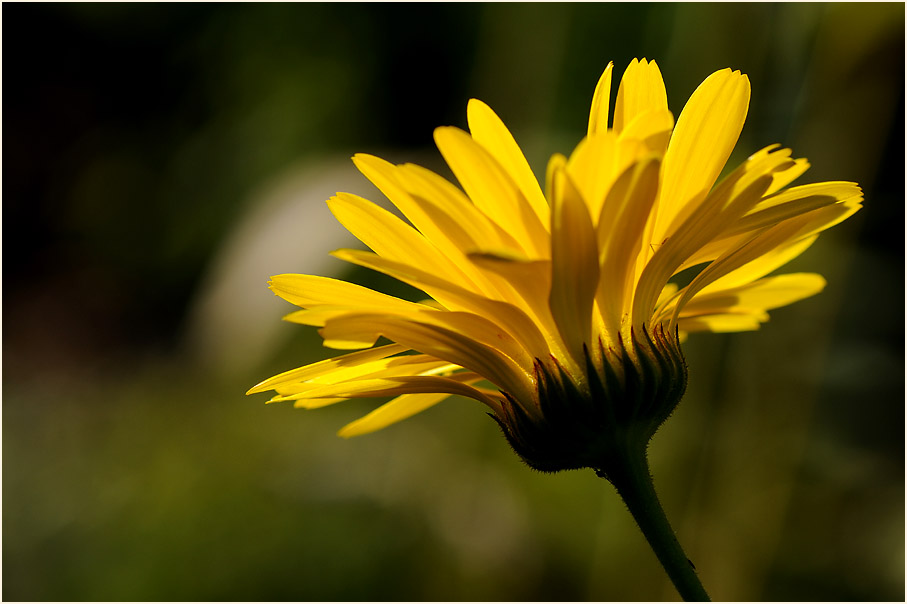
(287, 228)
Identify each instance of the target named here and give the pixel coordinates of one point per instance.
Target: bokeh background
(162, 160)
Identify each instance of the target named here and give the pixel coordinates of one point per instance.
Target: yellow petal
(703, 225)
(489, 131)
(311, 290)
(795, 201)
(819, 220)
(397, 366)
(812, 222)
(761, 295)
(762, 265)
(383, 175)
(652, 128)
(444, 196)
(601, 100)
(469, 326)
(784, 177)
(492, 189)
(326, 366)
(457, 384)
(759, 166)
(396, 410)
(723, 323)
(556, 162)
(531, 280)
(792, 170)
(449, 222)
(504, 314)
(702, 141)
(447, 235)
(390, 237)
(641, 90)
(466, 340)
(761, 244)
(669, 290)
(315, 397)
(742, 308)
(317, 317)
(304, 404)
(596, 163)
(620, 231)
(575, 269)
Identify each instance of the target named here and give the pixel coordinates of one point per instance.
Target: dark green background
(149, 151)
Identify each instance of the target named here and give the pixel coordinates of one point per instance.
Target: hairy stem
(630, 476)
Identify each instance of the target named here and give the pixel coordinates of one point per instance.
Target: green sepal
(628, 391)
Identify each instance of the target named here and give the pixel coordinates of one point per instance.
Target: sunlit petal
(701, 143)
(560, 294)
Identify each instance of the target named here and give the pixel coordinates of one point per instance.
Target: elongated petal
(601, 103)
(390, 237)
(761, 295)
(492, 189)
(531, 280)
(397, 366)
(456, 384)
(467, 325)
(444, 196)
(702, 141)
(761, 165)
(436, 226)
(641, 90)
(466, 341)
(761, 244)
(506, 315)
(652, 128)
(399, 409)
(743, 308)
(556, 162)
(620, 231)
(762, 265)
(812, 222)
(597, 162)
(311, 290)
(490, 132)
(467, 227)
(723, 323)
(317, 317)
(793, 202)
(326, 366)
(383, 175)
(323, 395)
(453, 226)
(575, 269)
(784, 177)
(780, 178)
(702, 226)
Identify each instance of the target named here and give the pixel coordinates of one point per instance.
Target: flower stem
(634, 484)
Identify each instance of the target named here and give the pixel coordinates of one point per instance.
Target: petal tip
(349, 431)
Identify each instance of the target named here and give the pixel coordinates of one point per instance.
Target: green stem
(634, 484)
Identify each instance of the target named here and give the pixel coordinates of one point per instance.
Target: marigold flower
(541, 293)
(561, 299)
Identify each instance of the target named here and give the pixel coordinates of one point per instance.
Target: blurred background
(163, 160)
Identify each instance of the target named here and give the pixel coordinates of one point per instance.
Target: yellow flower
(555, 307)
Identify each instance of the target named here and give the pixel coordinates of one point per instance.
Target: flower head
(554, 307)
